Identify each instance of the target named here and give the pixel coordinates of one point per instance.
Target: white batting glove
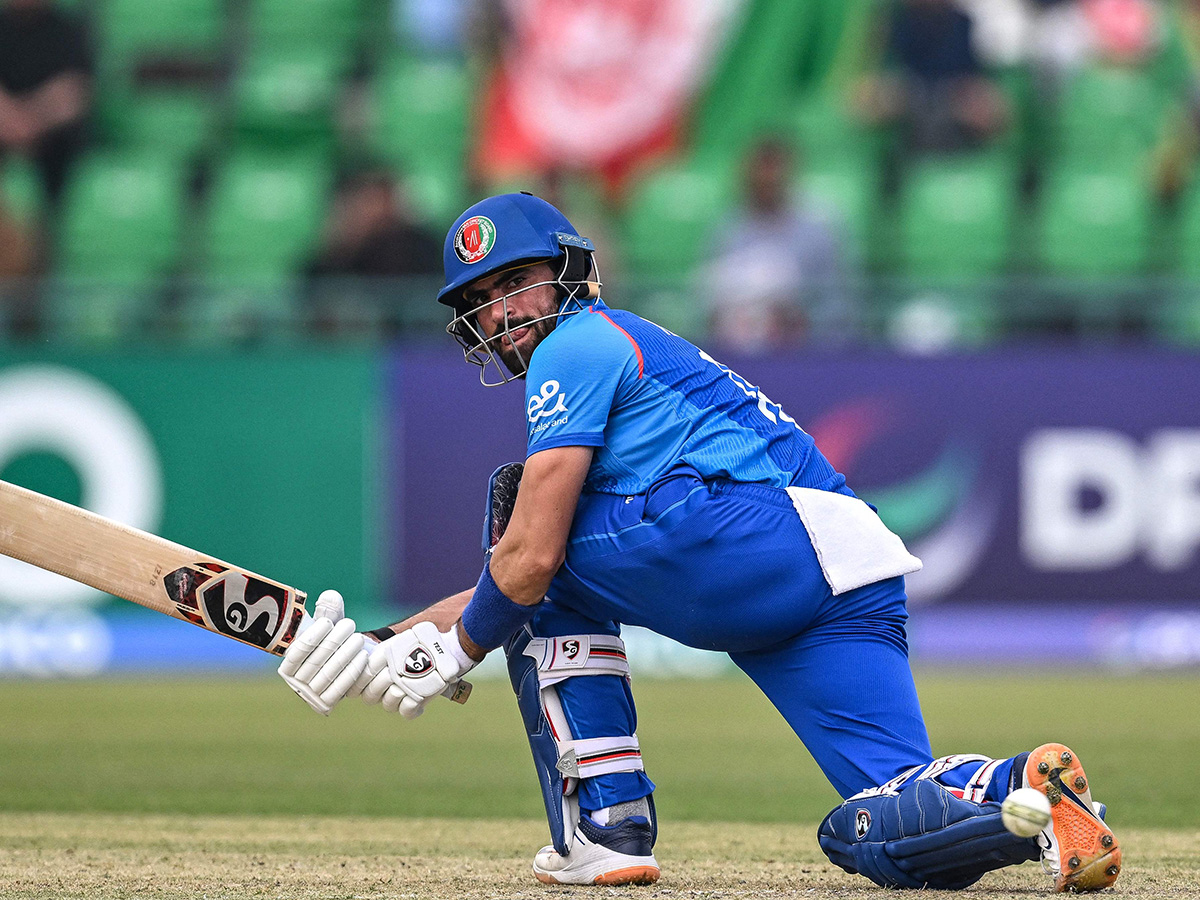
(327, 657)
(406, 671)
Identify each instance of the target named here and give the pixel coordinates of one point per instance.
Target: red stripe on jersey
(636, 348)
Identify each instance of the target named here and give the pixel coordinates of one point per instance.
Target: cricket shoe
(1078, 849)
(602, 854)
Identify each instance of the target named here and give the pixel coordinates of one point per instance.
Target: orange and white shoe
(600, 854)
(1078, 849)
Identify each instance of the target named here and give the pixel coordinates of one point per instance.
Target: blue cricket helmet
(504, 231)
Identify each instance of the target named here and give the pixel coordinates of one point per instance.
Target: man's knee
(921, 836)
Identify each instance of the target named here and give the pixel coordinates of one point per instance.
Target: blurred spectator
(45, 88)
(777, 274)
(18, 254)
(370, 234)
(933, 84)
(1065, 35)
(18, 261)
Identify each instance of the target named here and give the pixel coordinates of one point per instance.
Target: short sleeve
(573, 381)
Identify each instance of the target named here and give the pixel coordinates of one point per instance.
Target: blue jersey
(647, 400)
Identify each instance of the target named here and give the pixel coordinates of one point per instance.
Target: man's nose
(493, 310)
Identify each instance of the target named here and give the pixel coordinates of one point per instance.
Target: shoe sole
(1088, 853)
(630, 875)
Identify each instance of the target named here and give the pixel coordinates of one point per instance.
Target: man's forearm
(443, 614)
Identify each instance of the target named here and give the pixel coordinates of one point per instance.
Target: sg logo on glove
(418, 662)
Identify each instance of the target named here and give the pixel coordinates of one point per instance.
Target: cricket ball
(1025, 812)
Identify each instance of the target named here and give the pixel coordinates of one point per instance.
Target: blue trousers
(729, 567)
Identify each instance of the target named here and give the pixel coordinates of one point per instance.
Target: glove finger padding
(304, 644)
(341, 633)
(410, 708)
(392, 698)
(364, 677)
(923, 836)
(377, 685)
(346, 654)
(340, 686)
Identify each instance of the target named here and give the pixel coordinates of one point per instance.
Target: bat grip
(458, 692)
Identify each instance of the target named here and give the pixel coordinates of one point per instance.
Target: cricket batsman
(662, 489)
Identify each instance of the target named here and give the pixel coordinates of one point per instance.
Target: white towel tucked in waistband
(853, 545)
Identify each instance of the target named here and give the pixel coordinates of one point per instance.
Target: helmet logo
(475, 239)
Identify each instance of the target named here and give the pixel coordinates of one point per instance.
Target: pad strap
(590, 757)
(558, 658)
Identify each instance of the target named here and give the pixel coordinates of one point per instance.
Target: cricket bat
(148, 570)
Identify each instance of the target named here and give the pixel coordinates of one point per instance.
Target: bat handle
(458, 692)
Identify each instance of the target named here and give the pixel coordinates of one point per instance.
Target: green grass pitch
(112, 767)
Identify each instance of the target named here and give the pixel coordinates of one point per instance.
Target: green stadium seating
(263, 221)
(848, 190)
(421, 112)
(827, 132)
(264, 215)
(120, 236)
(295, 24)
(672, 215)
(1094, 222)
(177, 123)
(1189, 233)
(122, 218)
(436, 194)
(956, 216)
(286, 96)
(20, 189)
(1109, 113)
(131, 29)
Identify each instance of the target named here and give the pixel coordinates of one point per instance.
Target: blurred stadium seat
(307, 24)
(672, 214)
(285, 96)
(181, 124)
(1109, 115)
(1095, 222)
(263, 214)
(956, 216)
(419, 125)
(848, 191)
(132, 31)
(122, 218)
(21, 189)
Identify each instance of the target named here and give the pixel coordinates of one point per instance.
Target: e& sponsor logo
(547, 403)
(474, 239)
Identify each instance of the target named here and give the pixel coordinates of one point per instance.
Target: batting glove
(406, 671)
(327, 657)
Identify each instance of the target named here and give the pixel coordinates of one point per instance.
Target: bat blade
(148, 570)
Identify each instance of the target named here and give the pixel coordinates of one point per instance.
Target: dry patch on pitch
(63, 855)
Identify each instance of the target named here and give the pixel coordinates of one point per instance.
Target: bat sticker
(231, 603)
